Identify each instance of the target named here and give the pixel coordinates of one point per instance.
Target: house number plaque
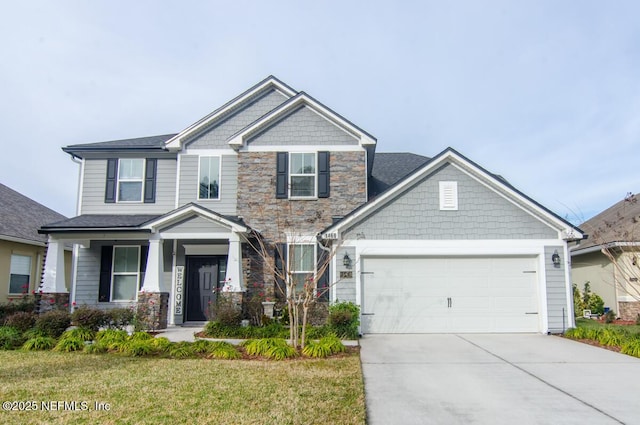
(177, 306)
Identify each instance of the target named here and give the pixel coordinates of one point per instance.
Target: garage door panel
(457, 294)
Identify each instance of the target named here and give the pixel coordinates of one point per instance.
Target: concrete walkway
(497, 379)
(181, 333)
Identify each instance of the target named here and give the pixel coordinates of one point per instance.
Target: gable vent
(449, 196)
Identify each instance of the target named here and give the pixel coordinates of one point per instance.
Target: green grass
(168, 391)
(594, 324)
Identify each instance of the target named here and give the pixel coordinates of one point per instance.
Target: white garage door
(440, 295)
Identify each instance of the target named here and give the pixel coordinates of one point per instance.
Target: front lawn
(159, 390)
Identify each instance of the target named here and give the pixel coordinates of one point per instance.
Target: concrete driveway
(497, 379)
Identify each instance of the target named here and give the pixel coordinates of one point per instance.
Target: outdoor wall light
(346, 261)
(555, 258)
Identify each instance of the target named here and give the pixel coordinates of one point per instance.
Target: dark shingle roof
(101, 221)
(151, 142)
(618, 223)
(21, 217)
(390, 168)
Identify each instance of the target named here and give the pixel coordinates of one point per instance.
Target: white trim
(193, 210)
(567, 276)
(175, 143)
(199, 236)
(238, 140)
(191, 249)
(179, 171)
(21, 240)
(301, 148)
(200, 157)
(74, 272)
(80, 186)
(454, 159)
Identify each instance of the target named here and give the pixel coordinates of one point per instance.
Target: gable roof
(450, 155)
(21, 217)
(391, 167)
(300, 99)
(618, 225)
(269, 83)
(190, 210)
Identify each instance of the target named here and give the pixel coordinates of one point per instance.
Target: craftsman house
(423, 244)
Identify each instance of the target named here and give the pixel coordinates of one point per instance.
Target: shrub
(344, 319)
(138, 347)
(576, 333)
(39, 343)
(632, 347)
(140, 336)
(225, 311)
(316, 349)
(112, 339)
(161, 344)
(273, 348)
(53, 323)
(611, 337)
(119, 318)
(34, 333)
(90, 318)
(69, 344)
(181, 350)
(9, 338)
(26, 304)
(21, 320)
(609, 316)
(334, 344)
(223, 350)
(81, 333)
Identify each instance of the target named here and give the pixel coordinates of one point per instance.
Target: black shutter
(282, 175)
(323, 175)
(322, 284)
(144, 253)
(106, 261)
(150, 181)
(280, 258)
(112, 176)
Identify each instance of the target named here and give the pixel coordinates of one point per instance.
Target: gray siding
(88, 272)
(303, 127)
(93, 188)
(244, 115)
(557, 310)
(346, 287)
(195, 225)
(482, 214)
(188, 191)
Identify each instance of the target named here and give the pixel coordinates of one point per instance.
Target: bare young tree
(279, 250)
(618, 235)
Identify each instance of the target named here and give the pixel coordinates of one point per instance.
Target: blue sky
(545, 93)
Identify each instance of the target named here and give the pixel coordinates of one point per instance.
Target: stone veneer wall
(52, 301)
(258, 205)
(629, 310)
(153, 309)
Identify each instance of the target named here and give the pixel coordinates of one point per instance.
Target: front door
(203, 277)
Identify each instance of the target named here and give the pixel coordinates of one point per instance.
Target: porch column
(234, 264)
(53, 280)
(155, 267)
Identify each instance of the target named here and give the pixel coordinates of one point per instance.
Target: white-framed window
(209, 177)
(448, 196)
(125, 275)
(302, 175)
(302, 264)
(130, 179)
(20, 274)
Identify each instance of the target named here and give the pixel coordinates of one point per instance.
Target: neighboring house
(617, 230)
(22, 248)
(424, 245)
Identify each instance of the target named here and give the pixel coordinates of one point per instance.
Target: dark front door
(203, 277)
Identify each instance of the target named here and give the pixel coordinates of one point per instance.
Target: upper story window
(130, 179)
(20, 274)
(302, 175)
(209, 178)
